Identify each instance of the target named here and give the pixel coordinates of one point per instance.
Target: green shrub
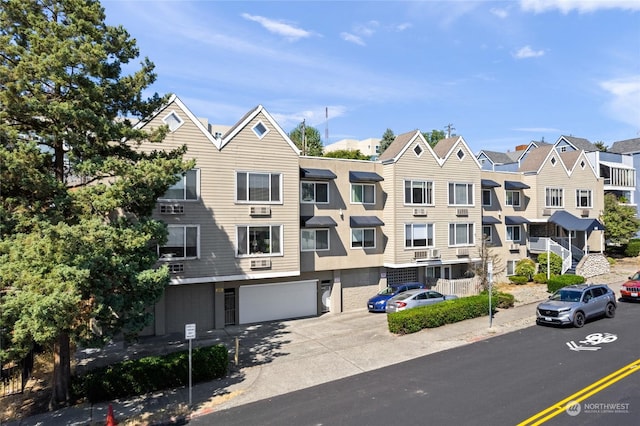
(540, 278)
(519, 279)
(555, 263)
(526, 268)
(136, 377)
(558, 281)
(447, 312)
(633, 248)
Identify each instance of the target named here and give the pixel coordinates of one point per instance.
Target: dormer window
(173, 120)
(260, 130)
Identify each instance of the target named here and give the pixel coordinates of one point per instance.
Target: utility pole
(449, 127)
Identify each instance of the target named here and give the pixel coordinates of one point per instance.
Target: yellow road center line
(582, 394)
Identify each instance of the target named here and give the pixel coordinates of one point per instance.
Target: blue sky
(503, 73)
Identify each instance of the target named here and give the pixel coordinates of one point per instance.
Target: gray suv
(574, 304)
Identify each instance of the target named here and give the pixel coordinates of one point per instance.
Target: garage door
(268, 302)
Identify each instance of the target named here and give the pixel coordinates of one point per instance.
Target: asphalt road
(505, 380)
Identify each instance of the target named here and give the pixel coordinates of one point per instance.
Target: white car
(414, 298)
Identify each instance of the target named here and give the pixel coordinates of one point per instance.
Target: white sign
(189, 331)
(590, 342)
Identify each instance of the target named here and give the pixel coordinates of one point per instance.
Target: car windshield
(635, 277)
(566, 295)
(387, 291)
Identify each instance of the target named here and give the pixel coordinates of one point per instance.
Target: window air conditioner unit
(171, 209)
(176, 268)
(260, 211)
(546, 212)
(435, 253)
(585, 213)
(260, 263)
(463, 251)
(421, 255)
(514, 247)
(462, 212)
(420, 212)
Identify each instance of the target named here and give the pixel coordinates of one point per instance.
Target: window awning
(515, 220)
(490, 220)
(512, 184)
(365, 221)
(317, 222)
(307, 173)
(364, 177)
(573, 223)
(488, 183)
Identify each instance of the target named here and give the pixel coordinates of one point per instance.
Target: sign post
(490, 278)
(190, 334)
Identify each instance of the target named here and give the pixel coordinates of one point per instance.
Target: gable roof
(536, 158)
(399, 145)
(579, 143)
(496, 157)
(627, 146)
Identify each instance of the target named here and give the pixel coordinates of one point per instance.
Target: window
(182, 243)
(486, 197)
(418, 192)
(314, 192)
(460, 154)
(173, 120)
(513, 233)
(487, 233)
(417, 150)
(258, 187)
(185, 189)
(256, 240)
(553, 197)
(314, 239)
(583, 198)
(363, 238)
(512, 198)
(461, 234)
(418, 235)
(460, 194)
(511, 267)
(260, 130)
(363, 193)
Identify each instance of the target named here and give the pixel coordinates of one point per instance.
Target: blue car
(378, 303)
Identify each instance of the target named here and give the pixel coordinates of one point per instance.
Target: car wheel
(578, 320)
(610, 312)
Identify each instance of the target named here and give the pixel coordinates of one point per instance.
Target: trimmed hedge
(447, 312)
(556, 282)
(540, 278)
(519, 279)
(633, 248)
(137, 377)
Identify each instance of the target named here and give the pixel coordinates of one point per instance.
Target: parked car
(631, 289)
(414, 298)
(575, 304)
(378, 303)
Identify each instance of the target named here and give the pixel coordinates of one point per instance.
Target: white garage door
(267, 302)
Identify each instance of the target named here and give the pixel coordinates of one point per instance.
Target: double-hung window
(512, 198)
(185, 189)
(461, 234)
(487, 233)
(460, 194)
(583, 198)
(314, 192)
(418, 235)
(363, 193)
(418, 192)
(314, 239)
(259, 240)
(363, 238)
(554, 197)
(258, 187)
(486, 197)
(511, 267)
(182, 243)
(513, 233)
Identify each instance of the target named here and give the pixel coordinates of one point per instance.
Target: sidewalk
(280, 357)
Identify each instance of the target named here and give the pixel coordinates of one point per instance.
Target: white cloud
(624, 104)
(278, 27)
(500, 13)
(527, 52)
(403, 26)
(352, 38)
(582, 6)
